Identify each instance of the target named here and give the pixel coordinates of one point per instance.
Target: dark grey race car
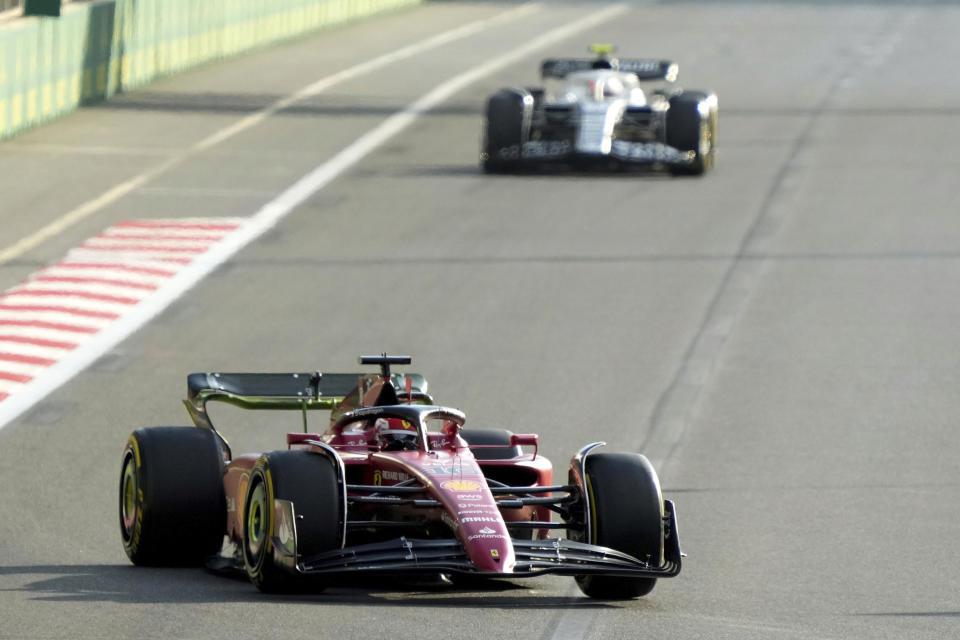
(595, 113)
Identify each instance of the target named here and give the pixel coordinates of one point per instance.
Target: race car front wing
(622, 150)
(533, 557)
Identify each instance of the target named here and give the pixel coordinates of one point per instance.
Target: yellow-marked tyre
(309, 481)
(626, 515)
(692, 126)
(172, 505)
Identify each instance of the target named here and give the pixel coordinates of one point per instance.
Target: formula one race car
(395, 486)
(594, 113)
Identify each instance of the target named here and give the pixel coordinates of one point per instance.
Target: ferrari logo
(494, 553)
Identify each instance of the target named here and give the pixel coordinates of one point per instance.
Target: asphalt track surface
(779, 337)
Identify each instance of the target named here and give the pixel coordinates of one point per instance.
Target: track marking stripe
(116, 266)
(31, 343)
(39, 342)
(72, 293)
(108, 281)
(23, 359)
(72, 311)
(14, 377)
(151, 248)
(69, 328)
(137, 237)
(187, 226)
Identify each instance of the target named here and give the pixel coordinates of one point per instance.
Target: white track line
(274, 211)
(118, 191)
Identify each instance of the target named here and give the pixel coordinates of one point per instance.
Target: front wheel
(692, 126)
(627, 509)
(309, 481)
(506, 128)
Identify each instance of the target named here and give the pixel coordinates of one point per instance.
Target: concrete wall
(49, 66)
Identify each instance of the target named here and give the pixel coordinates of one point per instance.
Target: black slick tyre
(309, 481)
(627, 510)
(172, 505)
(503, 132)
(692, 126)
(499, 437)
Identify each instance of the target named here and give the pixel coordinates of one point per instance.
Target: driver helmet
(395, 434)
(613, 87)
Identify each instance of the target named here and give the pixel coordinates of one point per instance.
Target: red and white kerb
(60, 307)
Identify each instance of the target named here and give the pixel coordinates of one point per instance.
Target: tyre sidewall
(309, 481)
(503, 131)
(690, 129)
(626, 514)
(179, 516)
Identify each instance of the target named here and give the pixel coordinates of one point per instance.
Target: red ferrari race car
(396, 485)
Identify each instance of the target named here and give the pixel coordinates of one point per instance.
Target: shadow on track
(125, 584)
(615, 171)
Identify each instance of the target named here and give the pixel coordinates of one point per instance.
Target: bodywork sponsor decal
(450, 522)
(535, 149)
(486, 534)
(479, 519)
(649, 152)
(462, 485)
(385, 474)
(445, 469)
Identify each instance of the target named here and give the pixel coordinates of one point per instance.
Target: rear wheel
(692, 126)
(172, 505)
(627, 510)
(309, 481)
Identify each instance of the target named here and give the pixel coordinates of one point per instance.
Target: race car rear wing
(293, 391)
(643, 68)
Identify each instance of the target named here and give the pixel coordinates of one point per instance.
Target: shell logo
(461, 485)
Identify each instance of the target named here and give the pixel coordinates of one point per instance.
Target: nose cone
(488, 545)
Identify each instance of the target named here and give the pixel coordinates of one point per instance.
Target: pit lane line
(116, 192)
(274, 211)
